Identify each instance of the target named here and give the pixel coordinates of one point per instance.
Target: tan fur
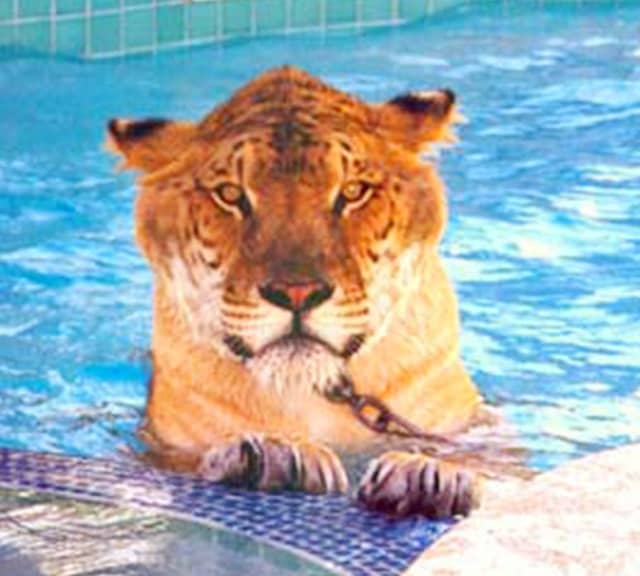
(292, 143)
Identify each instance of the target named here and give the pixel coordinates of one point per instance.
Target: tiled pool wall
(104, 28)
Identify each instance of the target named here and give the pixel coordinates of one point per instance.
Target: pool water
(43, 535)
(543, 242)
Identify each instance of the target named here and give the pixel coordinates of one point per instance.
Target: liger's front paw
(272, 464)
(403, 483)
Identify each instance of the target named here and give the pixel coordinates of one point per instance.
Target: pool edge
(577, 518)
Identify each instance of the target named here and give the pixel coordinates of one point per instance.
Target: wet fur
(223, 364)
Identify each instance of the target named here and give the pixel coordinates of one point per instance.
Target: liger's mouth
(295, 340)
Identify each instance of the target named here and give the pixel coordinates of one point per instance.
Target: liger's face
(275, 228)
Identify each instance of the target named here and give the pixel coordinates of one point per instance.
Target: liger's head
(273, 225)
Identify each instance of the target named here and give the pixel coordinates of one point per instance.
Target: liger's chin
(297, 364)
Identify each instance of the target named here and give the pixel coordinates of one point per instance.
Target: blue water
(543, 243)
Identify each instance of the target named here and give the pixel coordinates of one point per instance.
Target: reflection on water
(42, 536)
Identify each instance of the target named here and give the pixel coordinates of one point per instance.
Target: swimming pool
(543, 242)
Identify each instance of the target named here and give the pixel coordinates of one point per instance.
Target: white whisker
(259, 321)
(340, 323)
(268, 330)
(241, 308)
(360, 308)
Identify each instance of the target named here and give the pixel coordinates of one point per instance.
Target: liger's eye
(353, 195)
(232, 197)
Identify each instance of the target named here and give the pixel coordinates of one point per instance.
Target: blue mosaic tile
(344, 537)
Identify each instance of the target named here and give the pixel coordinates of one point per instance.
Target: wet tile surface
(330, 529)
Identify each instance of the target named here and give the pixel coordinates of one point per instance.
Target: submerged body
(293, 235)
(191, 382)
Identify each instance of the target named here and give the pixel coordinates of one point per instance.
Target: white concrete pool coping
(580, 519)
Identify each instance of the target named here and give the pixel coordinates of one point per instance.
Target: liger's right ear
(149, 144)
(420, 119)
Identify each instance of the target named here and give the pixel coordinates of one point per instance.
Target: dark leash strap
(374, 414)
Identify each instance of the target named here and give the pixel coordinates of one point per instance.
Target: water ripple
(543, 242)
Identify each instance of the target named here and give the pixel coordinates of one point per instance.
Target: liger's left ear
(149, 144)
(420, 119)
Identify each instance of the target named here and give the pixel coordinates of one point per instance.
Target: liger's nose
(296, 296)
